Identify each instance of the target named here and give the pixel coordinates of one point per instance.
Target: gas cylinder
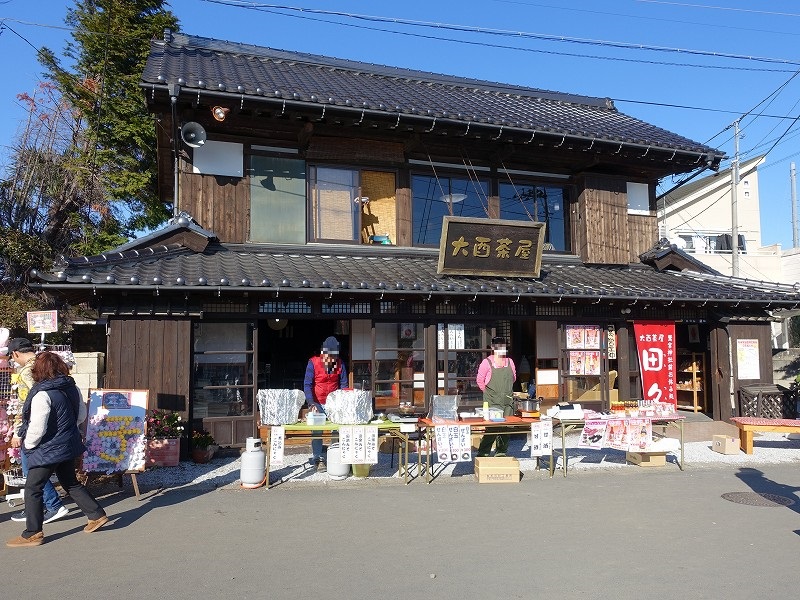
(254, 464)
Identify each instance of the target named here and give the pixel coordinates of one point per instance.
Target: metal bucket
(526, 405)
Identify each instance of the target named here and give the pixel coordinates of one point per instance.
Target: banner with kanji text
(655, 344)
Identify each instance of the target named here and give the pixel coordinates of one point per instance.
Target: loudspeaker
(193, 134)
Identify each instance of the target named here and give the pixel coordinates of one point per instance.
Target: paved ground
(621, 533)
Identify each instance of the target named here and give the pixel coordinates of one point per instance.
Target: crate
(766, 401)
(647, 459)
(497, 469)
(725, 444)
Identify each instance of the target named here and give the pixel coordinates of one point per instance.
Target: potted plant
(203, 446)
(164, 429)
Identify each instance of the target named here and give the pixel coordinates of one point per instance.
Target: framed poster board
(115, 431)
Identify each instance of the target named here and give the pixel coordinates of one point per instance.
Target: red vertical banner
(655, 343)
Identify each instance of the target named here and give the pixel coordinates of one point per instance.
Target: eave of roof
(371, 271)
(258, 76)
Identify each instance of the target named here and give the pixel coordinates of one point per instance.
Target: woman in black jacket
(52, 441)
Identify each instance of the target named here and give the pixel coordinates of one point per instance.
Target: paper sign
(593, 434)
(541, 440)
(346, 444)
(453, 443)
(277, 436)
(42, 321)
(370, 444)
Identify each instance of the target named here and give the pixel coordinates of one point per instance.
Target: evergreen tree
(82, 175)
(111, 41)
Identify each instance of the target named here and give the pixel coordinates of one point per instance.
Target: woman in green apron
(496, 376)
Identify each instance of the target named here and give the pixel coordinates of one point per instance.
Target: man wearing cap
(496, 376)
(22, 354)
(324, 374)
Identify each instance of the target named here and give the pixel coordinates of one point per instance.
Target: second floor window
(277, 200)
(436, 197)
(540, 204)
(352, 205)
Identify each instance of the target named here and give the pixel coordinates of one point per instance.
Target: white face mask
(500, 351)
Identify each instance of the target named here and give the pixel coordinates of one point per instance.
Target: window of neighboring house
(277, 200)
(638, 198)
(539, 204)
(433, 198)
(351, 205)
(688, 243)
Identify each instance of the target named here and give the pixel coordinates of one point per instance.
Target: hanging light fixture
(277, 324)
(452, 198)
(220, 112)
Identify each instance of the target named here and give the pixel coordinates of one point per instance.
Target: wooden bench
(748, 425)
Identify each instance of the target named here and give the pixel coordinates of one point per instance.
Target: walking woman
(52, 441)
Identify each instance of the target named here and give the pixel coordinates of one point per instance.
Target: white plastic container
(254, 464)
(315, 418)
(336, 468)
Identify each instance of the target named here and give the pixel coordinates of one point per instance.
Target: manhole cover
(756, 499)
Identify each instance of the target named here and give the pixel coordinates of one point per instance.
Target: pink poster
(575, 337)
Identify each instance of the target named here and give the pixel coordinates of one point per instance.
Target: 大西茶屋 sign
(490, 247)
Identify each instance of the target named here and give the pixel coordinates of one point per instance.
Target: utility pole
(793, 179)
(734, 201)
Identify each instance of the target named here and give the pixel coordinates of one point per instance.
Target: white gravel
(224, 471)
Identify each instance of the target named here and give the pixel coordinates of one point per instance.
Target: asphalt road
(630, 533)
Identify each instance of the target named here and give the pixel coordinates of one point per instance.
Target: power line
(700, 108)
(730, 8)
(498, 32)
(681, 22)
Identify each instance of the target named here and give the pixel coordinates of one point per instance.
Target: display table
(304, 431)
(509, 426)
(567, 425)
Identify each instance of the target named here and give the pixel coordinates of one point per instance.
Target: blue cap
(330, 346)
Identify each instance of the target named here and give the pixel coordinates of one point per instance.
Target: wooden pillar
(623, 361)
(404, 209)
(719, 377)
(430, 362)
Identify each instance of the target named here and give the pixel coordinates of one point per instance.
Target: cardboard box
(725, 444)
(497, 469)
(647, 459)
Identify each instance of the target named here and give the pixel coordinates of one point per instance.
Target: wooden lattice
(769, 402)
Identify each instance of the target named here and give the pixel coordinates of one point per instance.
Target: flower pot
(163, 452)
(202, 455)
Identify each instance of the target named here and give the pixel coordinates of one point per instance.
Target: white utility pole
(734, 201)
(793, 179)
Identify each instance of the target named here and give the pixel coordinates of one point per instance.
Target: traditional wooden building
(310, 195)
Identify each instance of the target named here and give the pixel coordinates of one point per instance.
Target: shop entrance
(285, 345)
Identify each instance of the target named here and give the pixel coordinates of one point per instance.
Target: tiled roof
(254, 74)
(393, 271)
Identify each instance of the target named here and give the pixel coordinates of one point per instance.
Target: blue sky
(678, 65)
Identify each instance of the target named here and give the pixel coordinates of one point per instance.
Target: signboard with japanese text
(495, 247)
(277, 437)
(541, 438)
(655, 343)
(747, 359)
(358, 444)
(453, 443)
(115, 431)
(42, 321)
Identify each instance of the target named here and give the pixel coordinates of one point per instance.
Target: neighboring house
(310, 199)
(698, 218)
